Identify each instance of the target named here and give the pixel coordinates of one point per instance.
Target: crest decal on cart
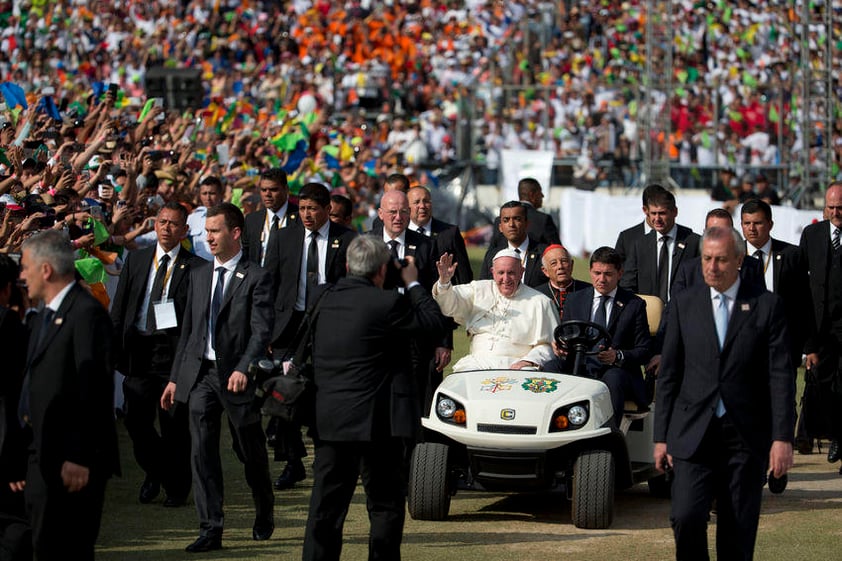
(498, 384)
(540, 385)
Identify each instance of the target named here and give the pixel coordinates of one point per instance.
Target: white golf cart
(528, 430)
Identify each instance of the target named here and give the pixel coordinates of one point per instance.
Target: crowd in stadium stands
(349, 92)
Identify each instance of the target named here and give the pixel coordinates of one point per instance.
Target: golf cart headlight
(446, 408)
(451, 411)
(569, 417)
(577, 415)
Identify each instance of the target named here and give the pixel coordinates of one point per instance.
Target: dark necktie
(759, 254)
(421, 230)
(835, 242)
(216, 301)
(393, 246)
(275, 222)
(313, 260)
(157, 292)
(23, 402)
(664, 269)
(601, 315)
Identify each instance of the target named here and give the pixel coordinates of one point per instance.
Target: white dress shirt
(230, 266)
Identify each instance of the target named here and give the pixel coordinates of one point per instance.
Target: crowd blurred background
(346, 93)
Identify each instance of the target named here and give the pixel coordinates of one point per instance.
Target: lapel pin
(745, 307)
(240, 275)
(58, 321)
(620, 304)
(291, 217)
(412, 247)
(778, 257)
(532, 256)
(335, 243)
(181, 266)
(680, 245)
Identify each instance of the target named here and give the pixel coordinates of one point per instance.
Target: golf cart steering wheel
(581, 337)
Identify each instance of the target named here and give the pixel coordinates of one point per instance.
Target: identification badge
(165, 314)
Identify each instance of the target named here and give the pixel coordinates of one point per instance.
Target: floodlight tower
(654, 109)
(815, 110)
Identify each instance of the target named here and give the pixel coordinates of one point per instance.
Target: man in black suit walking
(628, 237)
(557, 265)
(227, 326)
(446, 237)
(725, 402)
(623, 315)
(514, 225)
(366, 408)
(650, 264)
(147, 313)
(394, 213)
(542, 227)
(302, 259)
(821, 251)
(783, 272)
(66, 404)
(262, 227)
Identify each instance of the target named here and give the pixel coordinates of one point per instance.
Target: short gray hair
(718, 234)
(366, 254)
(53, 247)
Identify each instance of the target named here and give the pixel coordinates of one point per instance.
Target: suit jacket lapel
(677, 251)
(234, 282)
(55, 325)
(743, 307)
(616, 310)
(201, 289)
(179, 272)
(334, 243)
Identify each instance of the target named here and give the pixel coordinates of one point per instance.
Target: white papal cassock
(502, 330)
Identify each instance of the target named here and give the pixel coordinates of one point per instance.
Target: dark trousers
(725, 469)
(64, 525)
(164, 456)
(336, 469)
(206, 405)
(623, 385)
(15, 535)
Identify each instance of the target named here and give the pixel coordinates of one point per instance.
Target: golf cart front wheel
(429, 492)
(592, 504)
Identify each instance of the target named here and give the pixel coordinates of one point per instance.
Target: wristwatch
(618, 361)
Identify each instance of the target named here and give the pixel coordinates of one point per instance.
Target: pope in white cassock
(510, 325)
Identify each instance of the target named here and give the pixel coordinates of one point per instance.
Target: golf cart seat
(654, 310)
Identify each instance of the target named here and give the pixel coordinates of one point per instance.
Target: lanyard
(167, 275)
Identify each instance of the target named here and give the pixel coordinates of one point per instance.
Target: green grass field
(803, 524)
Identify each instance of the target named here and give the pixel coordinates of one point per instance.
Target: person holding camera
(366, 411)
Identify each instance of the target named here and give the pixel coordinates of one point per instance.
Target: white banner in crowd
(588, 220)
(519, 164)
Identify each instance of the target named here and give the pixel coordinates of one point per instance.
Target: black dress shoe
(833, 451)
(204, 543)
(149, 491)
(262, 530)
(293, 473)
(804, 446)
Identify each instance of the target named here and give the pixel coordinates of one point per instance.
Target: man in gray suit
(227, 325)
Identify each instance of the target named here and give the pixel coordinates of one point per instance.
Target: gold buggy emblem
(507, 414)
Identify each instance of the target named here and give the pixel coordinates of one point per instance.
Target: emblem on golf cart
(540, 385)
(507, 414)
(498, 384)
